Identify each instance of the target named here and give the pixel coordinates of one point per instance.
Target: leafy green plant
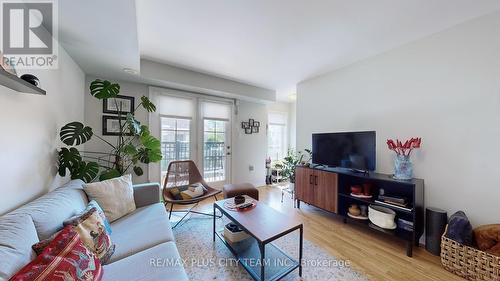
(288, 164)
(134, 145)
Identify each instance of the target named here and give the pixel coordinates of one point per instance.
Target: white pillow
(115, 196)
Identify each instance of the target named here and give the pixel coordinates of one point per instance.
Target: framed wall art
(122, 104)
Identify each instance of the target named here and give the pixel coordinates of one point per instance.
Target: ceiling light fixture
(130, 71)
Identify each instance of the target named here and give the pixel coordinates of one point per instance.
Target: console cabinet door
(325, 190)
(304, 184)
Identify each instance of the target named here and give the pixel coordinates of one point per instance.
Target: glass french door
(193, 127)
(216, 151)
(175, 141)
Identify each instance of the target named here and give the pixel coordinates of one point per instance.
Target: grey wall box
(435, 224)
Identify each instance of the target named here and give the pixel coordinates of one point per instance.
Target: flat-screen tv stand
(330, 189)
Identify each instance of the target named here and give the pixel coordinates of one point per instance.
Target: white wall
(94, 114)
(249, 150)
(444, 88)
(293, 124)
(30, 132)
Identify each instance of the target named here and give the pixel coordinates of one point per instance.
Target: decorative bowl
(32, 79)
(354, 210)
(357, 189)
(239, 199)
(382, 217)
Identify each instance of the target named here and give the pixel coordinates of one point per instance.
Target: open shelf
(372, 201)
(398, 232)
(277, 263)
(15, 83)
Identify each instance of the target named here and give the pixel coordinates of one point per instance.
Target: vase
(403, 169)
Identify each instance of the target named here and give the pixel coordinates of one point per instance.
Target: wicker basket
(468, 262)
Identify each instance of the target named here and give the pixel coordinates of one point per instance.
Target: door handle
(310, 179)
(315, 180)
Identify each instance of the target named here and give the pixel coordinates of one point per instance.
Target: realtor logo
(28, 37)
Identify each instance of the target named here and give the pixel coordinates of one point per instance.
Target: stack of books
(404, 224)
(398, 201)
(394, 201)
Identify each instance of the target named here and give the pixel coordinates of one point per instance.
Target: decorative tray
(361, 196)
(357, 217)
(230, 205)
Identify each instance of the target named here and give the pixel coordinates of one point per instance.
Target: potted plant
(403, 168)
(134, 144)
(288, 164)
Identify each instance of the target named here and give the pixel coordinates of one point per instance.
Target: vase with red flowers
(403, 168)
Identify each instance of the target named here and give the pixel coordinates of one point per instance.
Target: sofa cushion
(161, 262)
(17, 234)
(146, 227)
(115, 196)
(50, 210)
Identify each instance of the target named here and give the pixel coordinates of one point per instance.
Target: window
(175, 141)
(214, 142)
(277, 135)
(193, 127)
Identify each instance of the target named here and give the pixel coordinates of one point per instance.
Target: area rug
(205, 261)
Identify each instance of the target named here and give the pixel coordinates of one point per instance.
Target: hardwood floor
(370, 253)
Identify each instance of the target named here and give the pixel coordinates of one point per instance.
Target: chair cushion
(146, 227)
(115, 196)
(161, 262)
(188, 192)
(17, 234)
(65, 258)
(50, 210)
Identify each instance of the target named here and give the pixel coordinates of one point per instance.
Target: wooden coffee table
(261, 258)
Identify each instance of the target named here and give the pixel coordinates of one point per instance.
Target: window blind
(277, 118)
(176, 106)
(216, 110)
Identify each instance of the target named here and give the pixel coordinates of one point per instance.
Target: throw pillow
(460, 229)
(488, 238)
(115, 196)
(92, 231)
(40, 246)
(188, 191)
(94, 204)
(65, 258)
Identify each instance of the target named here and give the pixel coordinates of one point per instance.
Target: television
(351, 150)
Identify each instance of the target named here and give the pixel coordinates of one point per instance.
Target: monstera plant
(134, 144)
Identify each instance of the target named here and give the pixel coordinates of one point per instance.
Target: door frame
(229, 132)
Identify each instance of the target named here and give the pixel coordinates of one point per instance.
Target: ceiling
(273, 44)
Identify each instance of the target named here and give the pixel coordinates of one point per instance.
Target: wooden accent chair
(182, 173)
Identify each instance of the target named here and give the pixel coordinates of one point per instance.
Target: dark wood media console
(329, 189)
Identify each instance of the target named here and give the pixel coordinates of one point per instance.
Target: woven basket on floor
(468, 262)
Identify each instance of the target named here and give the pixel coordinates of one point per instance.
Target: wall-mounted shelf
(15, 83)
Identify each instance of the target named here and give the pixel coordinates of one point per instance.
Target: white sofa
(145, 245)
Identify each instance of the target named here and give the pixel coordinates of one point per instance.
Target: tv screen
(354, 150)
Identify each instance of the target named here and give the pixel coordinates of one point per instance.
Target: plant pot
(403, 168)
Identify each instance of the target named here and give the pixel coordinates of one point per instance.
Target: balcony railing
(214, 158)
